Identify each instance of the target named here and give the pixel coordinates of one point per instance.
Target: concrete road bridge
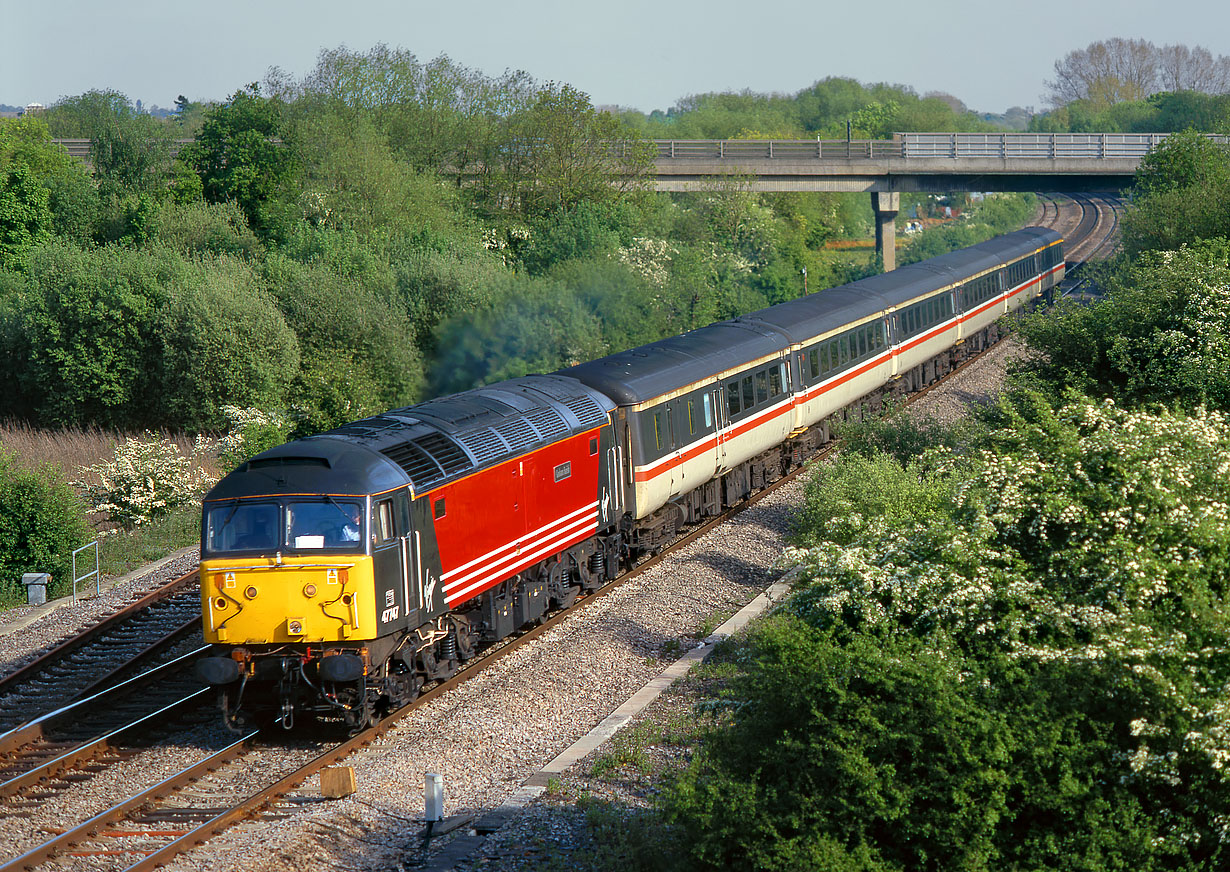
(940, 162)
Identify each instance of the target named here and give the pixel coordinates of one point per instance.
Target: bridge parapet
(924, 146)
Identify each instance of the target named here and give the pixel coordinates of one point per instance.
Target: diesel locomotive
(340, 572)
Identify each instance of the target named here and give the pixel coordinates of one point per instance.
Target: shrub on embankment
(42, 521)
(1030, 674)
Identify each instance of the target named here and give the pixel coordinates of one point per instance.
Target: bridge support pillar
(886, 205)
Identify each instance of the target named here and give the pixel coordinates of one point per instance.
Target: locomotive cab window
(438, 509)
(331, 524)
(384, 520)
(242, 527)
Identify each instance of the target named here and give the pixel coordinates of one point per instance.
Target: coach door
(721, 424)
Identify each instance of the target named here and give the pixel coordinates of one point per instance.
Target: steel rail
(68, 646)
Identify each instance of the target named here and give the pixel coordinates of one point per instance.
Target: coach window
(862, 342)
(691, 419)
(776, 379)
(762, 387)
(708, 411)
(813, 363)
(749, 395)
(825, 363)
(732, 398)
(670, 427)
(657, 429)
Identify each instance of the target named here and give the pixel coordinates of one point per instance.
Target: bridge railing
(778, 149)
(925, 146)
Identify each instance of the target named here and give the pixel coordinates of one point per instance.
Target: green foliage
(1165, 112)
(560, 151)
(80, 338)
(855, 490)
(223, 341)
(25, 215)
(1159, 336)
(358, 348)
(72, 199)
(1074, 583)
(41, 523)
(1181, 193)
(241, 154)
(200, 228)
(870, 756)
(129, 151)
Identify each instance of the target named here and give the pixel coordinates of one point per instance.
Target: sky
(642, 54)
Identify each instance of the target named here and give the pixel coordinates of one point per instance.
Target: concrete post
(886, 205)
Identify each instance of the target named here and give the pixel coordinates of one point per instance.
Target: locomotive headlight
(309, 590)
(250, 593)
(294, 626)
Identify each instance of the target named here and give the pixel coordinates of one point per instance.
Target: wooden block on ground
(337, 782)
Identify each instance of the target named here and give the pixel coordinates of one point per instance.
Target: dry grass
(72, 449)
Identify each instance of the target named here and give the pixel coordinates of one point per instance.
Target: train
(343, 571)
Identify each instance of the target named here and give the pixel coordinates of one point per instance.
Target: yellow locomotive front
(294, 571)
(305, 591)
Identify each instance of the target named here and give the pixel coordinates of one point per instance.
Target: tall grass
(69, 452)
(74, 448)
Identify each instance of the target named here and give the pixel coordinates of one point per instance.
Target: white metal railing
(97, 576)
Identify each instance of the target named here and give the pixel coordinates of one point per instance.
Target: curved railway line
(65, 744)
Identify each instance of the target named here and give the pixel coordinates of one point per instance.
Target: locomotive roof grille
(418, 464)
(588, 412)
(518, 434)
(445, 452)
(485, 444)
(549, 423)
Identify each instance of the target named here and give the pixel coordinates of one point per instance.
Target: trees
(221, 340)
(241, 155)
(1181, 193)
(1159, 336)
(83, 334)
(129, 150)
(1116, 70)
(558, 152)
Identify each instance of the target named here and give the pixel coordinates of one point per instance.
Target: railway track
(191, 806)
(151, 630)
